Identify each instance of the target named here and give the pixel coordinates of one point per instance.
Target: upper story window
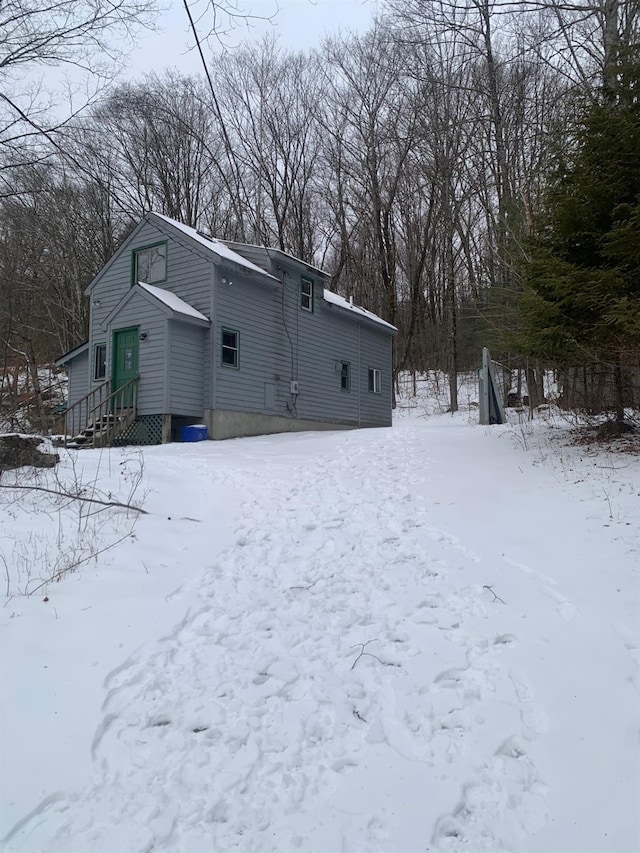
(230, 348)
(150, 264)
(375, 385)
(306, 294)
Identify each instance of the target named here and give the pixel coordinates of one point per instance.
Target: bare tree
(89, 36)
(491, 105)
(587, 42)
(371, 119)
(154, 144)
(215, 21)
(268, 100)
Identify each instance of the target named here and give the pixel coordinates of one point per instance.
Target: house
(186, 329)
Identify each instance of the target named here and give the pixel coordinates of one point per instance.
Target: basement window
(375, 385)
(230, 348)
(149, 264)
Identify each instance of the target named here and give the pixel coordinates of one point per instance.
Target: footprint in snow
(502, 805)
(569, 612)
(450, 678)
(521, 687)
(505, 640)
(372, 837)
(535, 722)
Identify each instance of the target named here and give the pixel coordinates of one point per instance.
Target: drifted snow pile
(378, 658)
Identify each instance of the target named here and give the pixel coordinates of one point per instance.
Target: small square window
(374, 381)
(345, 376)
(306, 294)
(230, 348)
(100, 362)
(150, 264)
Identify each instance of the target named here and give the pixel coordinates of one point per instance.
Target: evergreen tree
(581, 300)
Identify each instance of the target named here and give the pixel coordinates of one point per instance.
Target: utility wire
(208, 76)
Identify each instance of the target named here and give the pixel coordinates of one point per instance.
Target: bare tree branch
(77, 497)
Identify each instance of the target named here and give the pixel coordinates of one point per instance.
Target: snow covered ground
(422, 638)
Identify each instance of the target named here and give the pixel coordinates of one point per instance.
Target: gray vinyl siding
(257, 255)
(280, 343)
(188, 346)
(180, 364)
(152, 352)
(78, 371)
(254, 311)
(375, 351)
(189, 275)
(189, 271)
(113, 284)
(324, 338)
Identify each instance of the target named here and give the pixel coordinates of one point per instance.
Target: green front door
(125, 363)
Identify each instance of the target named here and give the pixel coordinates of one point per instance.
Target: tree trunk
(619, 388)
(534, 383)
(453, 353)
(32, 368)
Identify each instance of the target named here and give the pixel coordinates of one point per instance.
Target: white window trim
(235, 350)
(375, 375)
(97, 378)
(306, 296)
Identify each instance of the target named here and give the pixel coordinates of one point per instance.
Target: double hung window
(306, 294)
(345, 376)
(230, 348)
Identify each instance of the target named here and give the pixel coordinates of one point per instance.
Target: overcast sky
(300, 24)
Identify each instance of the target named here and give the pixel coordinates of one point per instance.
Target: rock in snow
(20, 451)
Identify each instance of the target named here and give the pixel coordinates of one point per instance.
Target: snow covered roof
(299, 261)
(341, 302)
(269, 251)
(163, 299)
(215, 246)
(172, 301)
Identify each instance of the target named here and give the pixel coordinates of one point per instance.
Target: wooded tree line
(436, 166)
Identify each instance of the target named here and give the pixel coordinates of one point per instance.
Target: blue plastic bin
(196, 432)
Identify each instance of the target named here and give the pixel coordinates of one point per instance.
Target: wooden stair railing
(77, 417)
(115, 414)
(99, 425)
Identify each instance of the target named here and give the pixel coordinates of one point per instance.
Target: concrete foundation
(223, 423)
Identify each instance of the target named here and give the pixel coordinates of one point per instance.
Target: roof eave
(119, 306)
(73, 353)
(380, 325)
(206, 251)
(375, 321)
(187, 318)
(309, 267)
(113, 257)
